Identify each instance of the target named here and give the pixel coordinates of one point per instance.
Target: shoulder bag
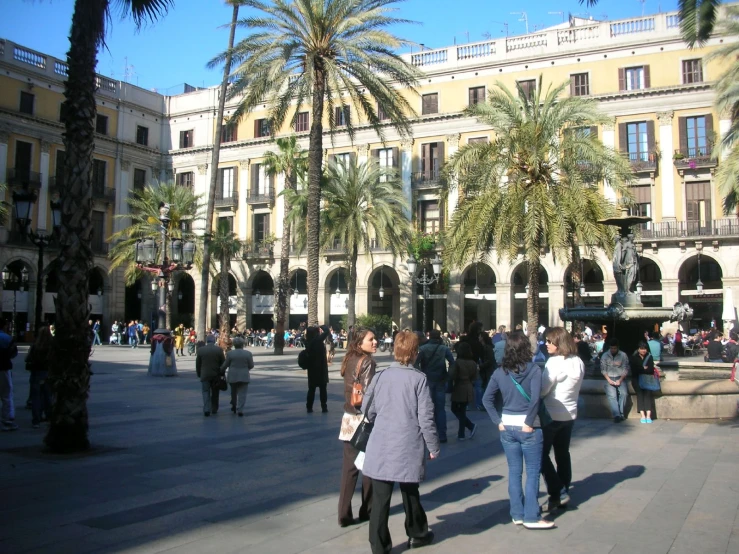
(357, 387)
(649, 382)
(544, 417)
(361, 436)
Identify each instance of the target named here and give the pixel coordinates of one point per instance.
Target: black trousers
(557, 435)
(312, 396)
(643, 397)
(349, 476)
(416, 524)
(459, 409)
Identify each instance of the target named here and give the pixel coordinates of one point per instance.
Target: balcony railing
(99, 248)
(694, 158)
(258, 251)
(227, 199)
(426, 179)
(642, 162)
(24, 178)
(261, 197)
(725, 227)
(106, 194)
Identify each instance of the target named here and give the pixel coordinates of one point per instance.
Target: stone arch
(482, 306)
(382, 275)
(650, 276)
(335, 305)
(263, 291)
(233, 293)
(519, 279)
(184, 300)
(16, 296)
(593, 277)
(707, 305)
(297, 304)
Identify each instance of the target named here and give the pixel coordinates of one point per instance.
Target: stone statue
(681, 312)
(617, 271)
(625, 264)
(163, 211)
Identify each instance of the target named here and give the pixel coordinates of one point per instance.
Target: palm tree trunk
(205, 273)
(315, 170)
(532, 312)
(352, 304)
(224, 320)
(282, 280)
(69, 375)
(576, 279)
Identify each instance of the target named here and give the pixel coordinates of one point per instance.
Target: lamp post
(425, 280)
(182, 255)
(7, 279)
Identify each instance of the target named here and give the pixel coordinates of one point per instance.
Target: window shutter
(426, 160)
(435, 103)
(375, 153)
(396, 157)
(471, 97)
(442, 210)
(254, 179)
(439, 156)
(572, 85)
(594, 131)
(256, 128)
(347, 114)
(235, 180)
(650, 138)
(623, 140)
(682, 127)
(709, 132)
(621, 78)
(647, 78)
(266, 225)
(424, 105)
(331, 159)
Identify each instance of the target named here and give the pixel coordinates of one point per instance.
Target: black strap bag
(361, 436)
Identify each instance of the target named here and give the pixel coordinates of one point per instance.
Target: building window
(186, 225)
(26, 105)
(637, 141)
(429, 215)
(580, 84)
(98, 174)
(698, 202)
(381, 115)
(260, 181)
(476, 95)
(227, 222)
(23, 158)
(695, 134)
(61, 158)
(142, 135)
(261, 128)
(341, 115)
(477, 140)
(345, 159)
(228, 182)
(228, 133)
(101, 124)
(139, 179)
(185, 179)
(528, 87)
(301, 123)
(430, 104)
(634, 78)
(261, 227)
(98, 231)
(642, 202)
(386, 160)
(432, 156)
(186, 139)
(62, 111)
(692, 71)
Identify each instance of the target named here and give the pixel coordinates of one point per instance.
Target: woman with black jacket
(642, 363)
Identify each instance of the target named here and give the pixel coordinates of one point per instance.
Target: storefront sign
(262, 304)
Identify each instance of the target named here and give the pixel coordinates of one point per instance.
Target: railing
(725, 227)
(24, 177)
(672, 21)
(106, 85)
(578, 34)
(230, 199)
(61, 68)
(103, 193)
(642, 161)
(525, 42)
(377, 246)
(426, 179)
(630, 27)
(99, 247)
(692, 158)
(24, 55)
(429, 57)
(263, 197)
(258, 251)
(476, 51)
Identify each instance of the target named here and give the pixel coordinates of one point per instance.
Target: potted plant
(678, 156)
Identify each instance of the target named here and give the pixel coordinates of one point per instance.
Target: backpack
(303, 359)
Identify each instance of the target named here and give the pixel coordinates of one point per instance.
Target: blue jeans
(134, 341)
(40, 396)
(477, 385)
(96, 339)
(523, 448)
(6, 395)
(617, 397)
(438, 397)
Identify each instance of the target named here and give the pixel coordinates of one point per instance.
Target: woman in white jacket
(560, 389)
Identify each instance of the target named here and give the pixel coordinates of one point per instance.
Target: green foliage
(422, 244)
(381, 324)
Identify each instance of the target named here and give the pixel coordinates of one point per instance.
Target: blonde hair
(405, 348)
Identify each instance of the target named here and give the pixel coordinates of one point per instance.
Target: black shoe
(423, 541)
(310, 410)
(347, 522)
(324, 410)
(206, 414)
(241, 414)
(233, 409)
(442, 441)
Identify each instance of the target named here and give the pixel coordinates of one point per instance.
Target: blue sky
(175, 50)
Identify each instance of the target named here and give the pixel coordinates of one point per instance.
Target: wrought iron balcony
(263, 197)
(725, 227)
(24, 178)
(258, 251)
(426, 179)
(228, 200)
(694, 158)
(105, 194)
(99, 248)
(642, 162)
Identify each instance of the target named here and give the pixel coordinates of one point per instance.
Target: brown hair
(354, 347)
(560, 338)
(405, 349)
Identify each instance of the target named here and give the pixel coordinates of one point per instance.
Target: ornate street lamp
(699, 283)
(476, 290)
(425, 280)
(381, 292)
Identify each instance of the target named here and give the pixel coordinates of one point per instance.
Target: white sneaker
(474, 430)
(541, 524)
(564, 497)
(517, 521)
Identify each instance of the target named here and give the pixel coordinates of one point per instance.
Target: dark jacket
(475, 345)
(432, 360)
(487, 362)
(8, 351)
(514, 402)
(208, 362)
(463, 373)
(367, 368)
(641, 366)
(36, 359)
(317, 363)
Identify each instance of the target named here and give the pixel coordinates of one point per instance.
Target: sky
(175, 50)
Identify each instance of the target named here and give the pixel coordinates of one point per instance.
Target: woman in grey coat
(403, 416)
(238, 362)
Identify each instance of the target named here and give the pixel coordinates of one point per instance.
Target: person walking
(133, 335)
(317, 366)
(358, 366)
(614, 365)
(8, 351)
(463, 374)
(179, 340)
(487, 364)
(518, 381)
(399, 404)
(478, 352)
(238, 363)
(96, 333)
(642, 363)
(560, 388)
(208, 362)
(37, 362)
(114, 337)
(146, 332)
(434, 359)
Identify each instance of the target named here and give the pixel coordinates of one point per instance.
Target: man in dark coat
(208, 362)
(317, 366)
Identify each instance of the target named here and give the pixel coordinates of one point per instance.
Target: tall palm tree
(69, 376)
(289, 159)
(185, 206)
(363, 202)
(333, 55)
(534, 186)
(225, 246)
(215, 156)
(698, 19)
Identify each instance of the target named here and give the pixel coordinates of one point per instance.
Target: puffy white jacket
(560, 386)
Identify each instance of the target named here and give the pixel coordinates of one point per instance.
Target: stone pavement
(161, 477)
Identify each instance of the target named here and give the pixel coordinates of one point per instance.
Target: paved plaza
(162, 478)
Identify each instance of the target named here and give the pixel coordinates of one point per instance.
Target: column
(243, 214)
(666, 168)
(452, 142)
(556, 297)
(407, 305)
(121, 199)
(503, 305)
(43, 199)
(406, 167)
(454, 304)
(609, 140)
(670, 292)
(201, 186)
(361, 300)
(322, 315)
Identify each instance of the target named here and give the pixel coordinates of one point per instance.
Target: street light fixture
(381, 292)
(699, 283)
(7, 279)
(424, 280)
(476, 290)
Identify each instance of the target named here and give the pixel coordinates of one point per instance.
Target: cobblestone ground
(161, 477)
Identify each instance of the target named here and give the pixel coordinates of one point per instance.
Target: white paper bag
(359, 462)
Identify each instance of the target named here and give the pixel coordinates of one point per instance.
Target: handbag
(649, 382)
(357, 387)
(361, 436)
(544, 417)
(221, 383)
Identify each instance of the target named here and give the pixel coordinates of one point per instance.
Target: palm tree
(185, 206)
(215, 156)
(225, 246)
(697, 19)
(290, 159)
(326, 53)
(3, 204)
(534, 186)
(69, 377)
(363, 202)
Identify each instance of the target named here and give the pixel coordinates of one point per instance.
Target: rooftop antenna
(642, 2)
(505, 26)
(562, 14)
(128, 71)
(524, 18)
